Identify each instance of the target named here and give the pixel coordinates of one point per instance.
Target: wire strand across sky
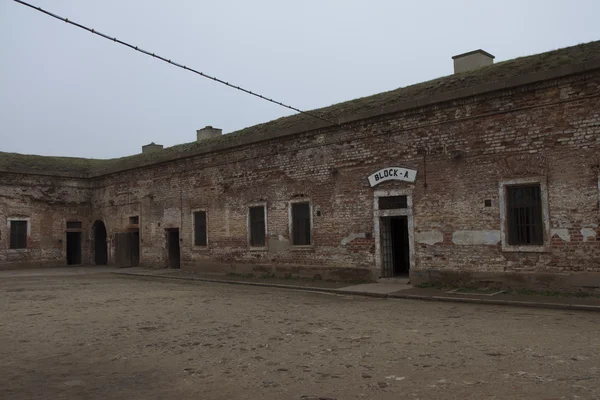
(167, 60)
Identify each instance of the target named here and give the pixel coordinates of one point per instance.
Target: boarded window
(524, 215)
(135, 220)
(257, 226)
(18, 234)
(300, 224)
(73, 224)
(200, 228)
(392, 202)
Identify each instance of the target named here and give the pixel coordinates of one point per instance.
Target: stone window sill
(526, 249)
(257, 249)
(309, 247)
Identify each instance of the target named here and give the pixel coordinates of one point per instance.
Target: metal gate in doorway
(387, 258)
(394, 232)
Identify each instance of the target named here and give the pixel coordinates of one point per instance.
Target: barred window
(301, 224)
(392, 202)
(18, 234)
(524, 215)
(257, 226)
(200, 228)
(73, 224)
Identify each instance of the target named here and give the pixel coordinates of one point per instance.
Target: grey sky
(66, 92)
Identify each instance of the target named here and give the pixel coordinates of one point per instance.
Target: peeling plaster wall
(46, 203)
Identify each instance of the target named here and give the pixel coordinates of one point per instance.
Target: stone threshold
(389, 291)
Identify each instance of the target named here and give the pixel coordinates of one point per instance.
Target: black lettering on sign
(406, 174)
(395, 172)
(385, 173)
(376, 177)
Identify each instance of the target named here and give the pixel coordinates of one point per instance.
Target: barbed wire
(179, 65)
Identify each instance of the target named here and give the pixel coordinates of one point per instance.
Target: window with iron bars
(301, 224)
(392, 202)
(257, 226)
(200, 228)
(18, 234)
(524, 215)
(73, 224)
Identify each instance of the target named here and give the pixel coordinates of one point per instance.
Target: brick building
(490, 174)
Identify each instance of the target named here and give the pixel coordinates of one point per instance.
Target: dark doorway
(395, 247)
(100, 250)
(173, 247)
(73, 248)
(135, 248)
(127, 249)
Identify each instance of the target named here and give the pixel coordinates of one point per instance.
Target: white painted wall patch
(562, 233)
(430, 237)
(351, 237)
(588, 233)
(469, 238)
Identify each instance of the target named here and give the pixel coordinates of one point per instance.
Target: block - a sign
(392, 174)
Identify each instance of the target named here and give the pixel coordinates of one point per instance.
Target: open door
(395, 247)
(73, 248)
(173, 248)
(100, 249)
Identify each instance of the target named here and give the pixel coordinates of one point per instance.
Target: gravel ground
(102, 336)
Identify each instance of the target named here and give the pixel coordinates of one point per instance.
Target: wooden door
(123, 249)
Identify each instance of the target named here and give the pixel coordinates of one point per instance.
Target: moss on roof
(497, 72)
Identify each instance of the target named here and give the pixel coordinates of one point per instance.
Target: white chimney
(151, 148)
(208, 132)
(472, 60)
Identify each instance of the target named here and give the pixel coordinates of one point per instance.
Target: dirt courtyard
(103, 336)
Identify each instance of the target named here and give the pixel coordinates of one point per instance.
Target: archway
(100, 250)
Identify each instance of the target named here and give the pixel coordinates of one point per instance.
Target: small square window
(73, 224)
(392, 202)
(488, 203)
(135, 220)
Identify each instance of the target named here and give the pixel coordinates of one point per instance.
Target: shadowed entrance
(100, 250)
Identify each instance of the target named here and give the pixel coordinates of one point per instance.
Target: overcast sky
(64, 91)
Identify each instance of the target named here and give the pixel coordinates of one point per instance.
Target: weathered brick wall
(47, 202)
(461, 150)
(550, 129)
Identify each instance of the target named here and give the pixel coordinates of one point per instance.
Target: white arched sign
(392, 174)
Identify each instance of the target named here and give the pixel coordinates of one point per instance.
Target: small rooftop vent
(472, 60)
(151, 148)
(208, 132)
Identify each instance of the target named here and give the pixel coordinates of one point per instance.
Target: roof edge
(567, 70)
(256, 137)
(54, 174)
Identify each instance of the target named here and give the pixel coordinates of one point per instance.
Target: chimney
(472, 60)
(151, 148)
(207, 132)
